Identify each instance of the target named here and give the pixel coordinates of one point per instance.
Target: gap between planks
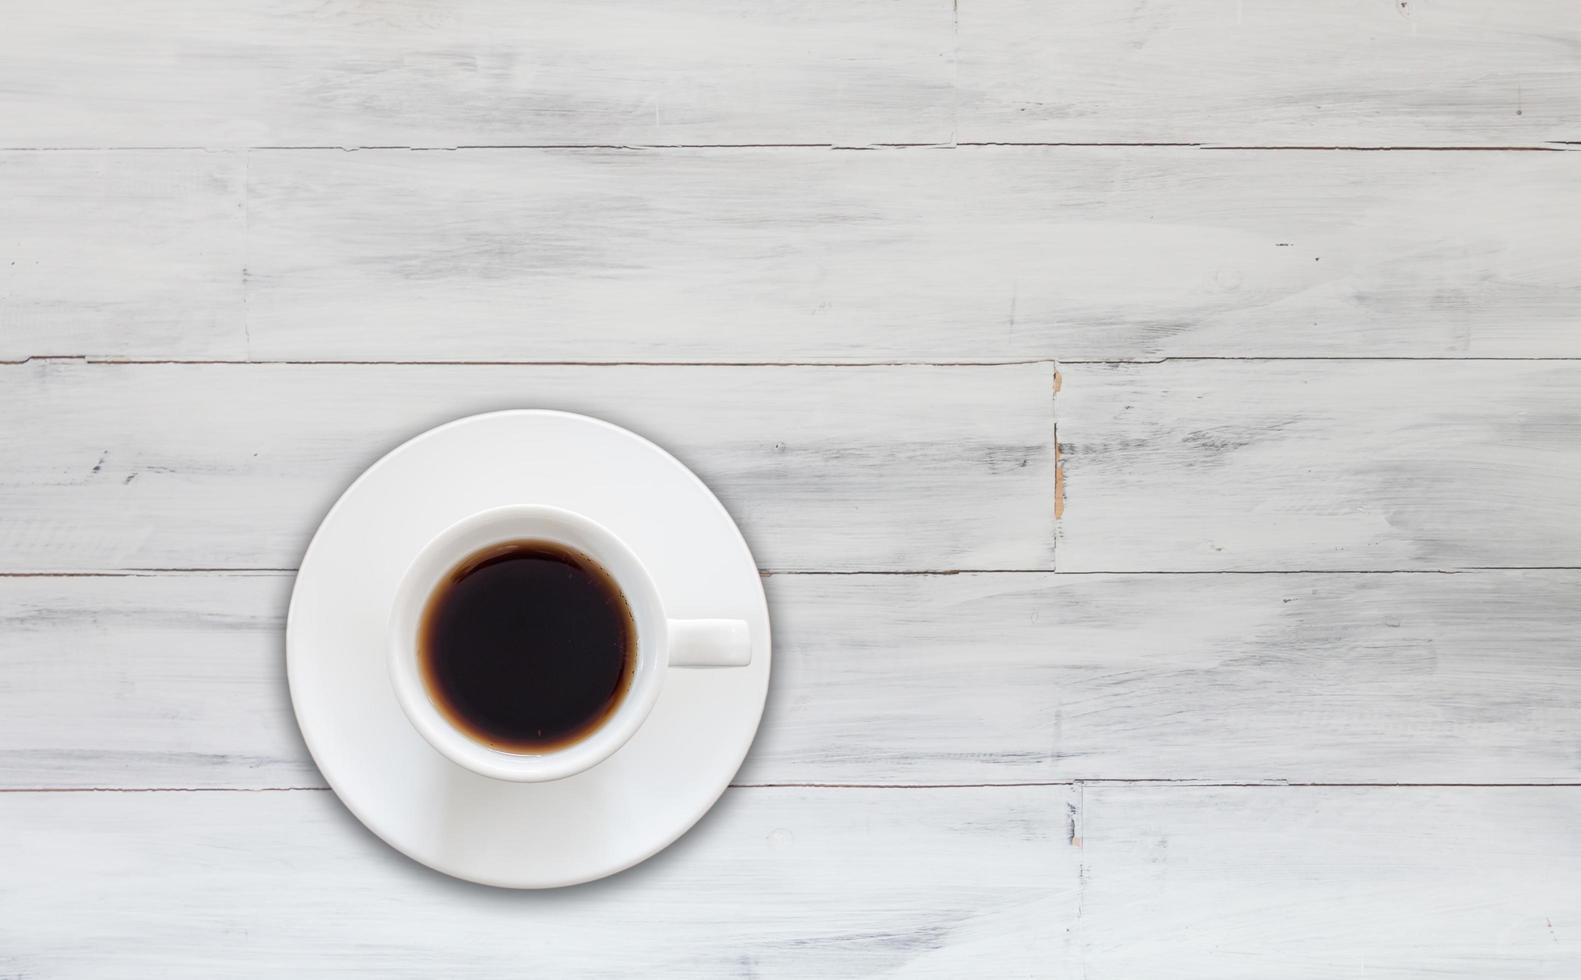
(767, 573)
(1074, 783)
(99, 360)
(155, 362)
(1551, 146)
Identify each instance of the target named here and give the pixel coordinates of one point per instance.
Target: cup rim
(452, 546)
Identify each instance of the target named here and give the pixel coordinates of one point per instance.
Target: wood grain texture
(1335, 370)
(1332, 883)
(357, 73)
(949, 255)
(980, 254)
(176, 680)
(1320, 465)
(1392, 72)
(488, 72)
(793, 883)
(232, 465)
(1470, 677)
(122, 254)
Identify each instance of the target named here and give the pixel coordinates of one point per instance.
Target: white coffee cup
(660, 643)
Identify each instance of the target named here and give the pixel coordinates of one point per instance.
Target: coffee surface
(527, 646)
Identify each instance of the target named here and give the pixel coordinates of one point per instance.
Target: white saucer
(522, 835)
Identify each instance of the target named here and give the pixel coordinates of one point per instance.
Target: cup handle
(709, 643)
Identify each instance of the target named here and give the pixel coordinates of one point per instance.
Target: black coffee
(527, 646)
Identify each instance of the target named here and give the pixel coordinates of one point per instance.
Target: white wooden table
(1159, 425)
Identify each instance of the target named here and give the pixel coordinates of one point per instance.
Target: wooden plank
(946, 255)
(1319, 465)
(142, 682)
(1329, 883)
(233, 465)
(96, 73)
(1329, 678)
(176, 681)
(925, 883)
(984, 254)
(1393, 73)
(121, 253)
(488, 72)
(147, 681)
(1471, 677)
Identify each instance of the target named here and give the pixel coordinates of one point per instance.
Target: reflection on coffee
(527, 646)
